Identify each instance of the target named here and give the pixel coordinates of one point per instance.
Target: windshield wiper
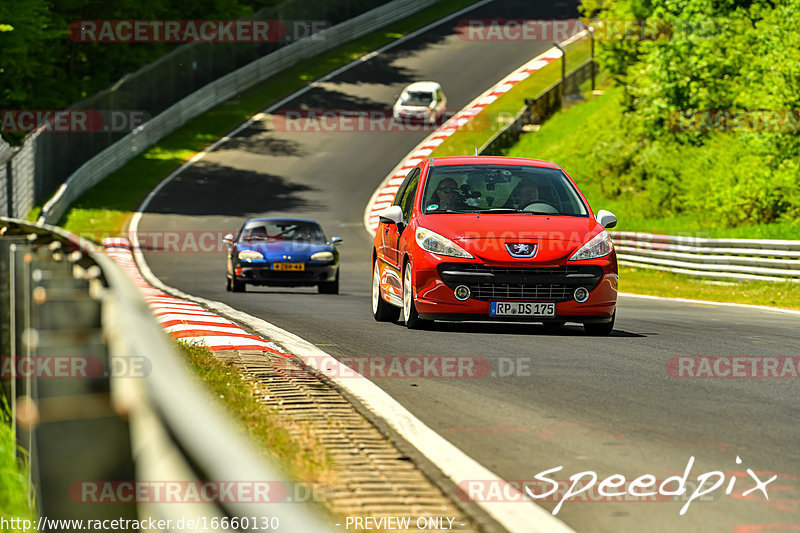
(498, 210)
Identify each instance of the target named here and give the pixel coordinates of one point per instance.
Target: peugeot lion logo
(521, 249)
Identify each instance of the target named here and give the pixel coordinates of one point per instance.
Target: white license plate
(522, 309)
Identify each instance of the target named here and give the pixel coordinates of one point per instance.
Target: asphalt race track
(556, 399)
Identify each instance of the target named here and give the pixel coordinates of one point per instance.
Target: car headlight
(434, 243)
(322, 256)
(250, 255)
(600, 245)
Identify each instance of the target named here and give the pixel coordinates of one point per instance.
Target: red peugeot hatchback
(494, 238)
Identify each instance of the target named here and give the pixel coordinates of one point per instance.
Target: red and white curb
(187, 320)
(385, 193)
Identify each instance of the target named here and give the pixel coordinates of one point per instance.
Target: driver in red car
(447, 197)
(525, 193)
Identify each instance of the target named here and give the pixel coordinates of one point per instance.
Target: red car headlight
(598, 246)
(432, 242)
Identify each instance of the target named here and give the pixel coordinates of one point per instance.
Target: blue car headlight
(250, 255)
(322, 256)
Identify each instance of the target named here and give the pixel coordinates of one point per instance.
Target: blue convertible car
(282, 252)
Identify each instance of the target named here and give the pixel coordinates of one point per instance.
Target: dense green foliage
(42, 68)
(737, 55)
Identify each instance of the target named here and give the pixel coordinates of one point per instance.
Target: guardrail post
(56, 373)
(594, 70)
(563, 67)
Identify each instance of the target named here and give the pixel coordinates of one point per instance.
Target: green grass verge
(290, 445)
(568, 138)
(659, 283)
(14, 486)
(106, 207)
(495, 116)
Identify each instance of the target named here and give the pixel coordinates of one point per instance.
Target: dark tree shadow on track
(211, 189)
(264, 143)
(325, 99)
(380, 70)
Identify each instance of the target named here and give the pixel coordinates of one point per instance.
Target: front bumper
(263, 274)
(436, 278)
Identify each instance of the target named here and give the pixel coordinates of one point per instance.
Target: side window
(403, 186)
(407, 201)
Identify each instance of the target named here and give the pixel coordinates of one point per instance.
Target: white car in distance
(421, 101)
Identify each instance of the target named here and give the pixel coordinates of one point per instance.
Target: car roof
(427, 86)
(490, 160)
(282, 219)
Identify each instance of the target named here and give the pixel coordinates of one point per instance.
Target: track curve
(602, 404)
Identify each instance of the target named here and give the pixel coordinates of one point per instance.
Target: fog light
(581, 295)
(462, 292)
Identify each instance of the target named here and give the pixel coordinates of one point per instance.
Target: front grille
(501, 283)
(266, 274)
(506, 291)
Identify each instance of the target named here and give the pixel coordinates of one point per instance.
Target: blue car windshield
(501, 189)
(281, 230)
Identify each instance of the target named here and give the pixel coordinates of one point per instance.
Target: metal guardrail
(537, 110)
(745, 259)
(216, 92)
(62, 300)
(45, 160)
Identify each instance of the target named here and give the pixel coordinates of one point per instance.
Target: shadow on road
(211, 189)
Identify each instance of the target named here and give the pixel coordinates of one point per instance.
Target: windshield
(281, 230)
(501, 189)
(417, 98)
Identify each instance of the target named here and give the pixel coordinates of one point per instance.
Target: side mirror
(335, 240)
(391, 215)
(607, 219)
(228, 239)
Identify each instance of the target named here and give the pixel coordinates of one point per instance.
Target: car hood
(285, 250)
(485, 236)
(411, 107)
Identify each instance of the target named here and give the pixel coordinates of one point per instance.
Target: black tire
(238, 286)
(228, 284)
(600, 330)
(410, 315)
(382, 310)
(329, 287)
